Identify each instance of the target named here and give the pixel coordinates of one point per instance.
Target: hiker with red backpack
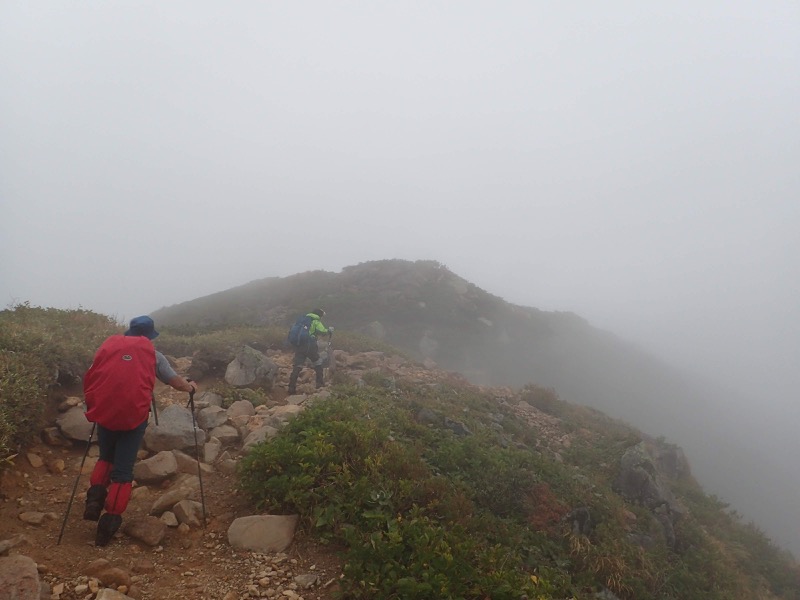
(303, 336)
(118, 389)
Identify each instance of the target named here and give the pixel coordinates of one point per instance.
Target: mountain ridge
(426, 310)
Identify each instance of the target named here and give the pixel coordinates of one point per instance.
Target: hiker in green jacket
(310, 351)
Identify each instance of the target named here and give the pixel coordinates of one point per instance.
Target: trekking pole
(197, 456)
(75, 487)
(155, 410)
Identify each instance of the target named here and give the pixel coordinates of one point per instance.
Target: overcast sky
(637, 163)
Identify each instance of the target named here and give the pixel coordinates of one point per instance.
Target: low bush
(40, 349)
(355, 469)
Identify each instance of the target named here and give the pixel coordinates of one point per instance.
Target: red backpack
(118, 387)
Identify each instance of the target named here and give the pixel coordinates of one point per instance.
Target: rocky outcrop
(251, 368)
(640, 481)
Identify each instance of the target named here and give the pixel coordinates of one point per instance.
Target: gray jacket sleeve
(164, 370)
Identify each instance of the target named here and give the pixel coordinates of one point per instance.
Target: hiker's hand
(192, 386)
(330, 329)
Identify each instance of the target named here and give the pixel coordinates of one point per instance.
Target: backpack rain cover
(118, 387)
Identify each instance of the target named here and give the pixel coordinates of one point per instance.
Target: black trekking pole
(75, 487)
(190, 405)
(155, 410)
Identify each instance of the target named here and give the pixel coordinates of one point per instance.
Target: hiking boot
(107, 526)
(95, 498)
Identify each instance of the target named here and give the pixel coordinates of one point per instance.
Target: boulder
(176, 430)
(251, 368)
(73, 424)
(156, 468)
(262, 533)
(19, 578)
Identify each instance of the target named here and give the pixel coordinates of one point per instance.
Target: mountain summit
(431, 313)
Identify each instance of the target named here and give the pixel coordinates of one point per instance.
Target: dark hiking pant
(112, 475)
(301, 355)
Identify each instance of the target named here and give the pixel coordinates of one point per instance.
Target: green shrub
(221, 342)
(415, 557)
(41, 348)
(23, 380)
(354, 469)
(500, 479)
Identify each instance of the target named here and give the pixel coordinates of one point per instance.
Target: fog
(634, 163)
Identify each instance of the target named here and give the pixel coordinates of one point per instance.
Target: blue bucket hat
(143, 326)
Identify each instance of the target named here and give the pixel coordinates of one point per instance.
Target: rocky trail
(163, 550)
(166, 556)
(188, 562)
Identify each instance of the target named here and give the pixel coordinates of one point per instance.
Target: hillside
(409, 482)
(431, 313)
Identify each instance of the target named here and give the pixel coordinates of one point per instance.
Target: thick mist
(632, 163)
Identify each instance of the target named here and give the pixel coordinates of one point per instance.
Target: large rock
(175, 431)
(257, 436)
(226, 434)
(190, 464)
(251, 368)
(639, 481)
(262, 533)
(148, 530)
(241, 408)
(207, 398)
(73, 424)
(190, 512)
(108, 574)
(212, 416)
(19, 578)
(170, 498)
(280, 415)
(672, 461)
(156, 468)
(211, 450)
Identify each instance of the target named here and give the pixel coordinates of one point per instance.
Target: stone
(149, 530)
(156, 468)
(176, 430)
(34, 459)
(19, 578)
(73, 424)
(262, 533)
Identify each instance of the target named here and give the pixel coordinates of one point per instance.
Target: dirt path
(198, 563)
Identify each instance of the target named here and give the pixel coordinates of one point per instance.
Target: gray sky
(633, 162)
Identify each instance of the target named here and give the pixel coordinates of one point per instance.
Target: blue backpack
(299, 334)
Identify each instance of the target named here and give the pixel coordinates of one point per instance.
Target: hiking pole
(197, 455)
(155, 410)
(75, 487)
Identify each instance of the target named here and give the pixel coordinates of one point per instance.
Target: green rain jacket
(316, 325)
